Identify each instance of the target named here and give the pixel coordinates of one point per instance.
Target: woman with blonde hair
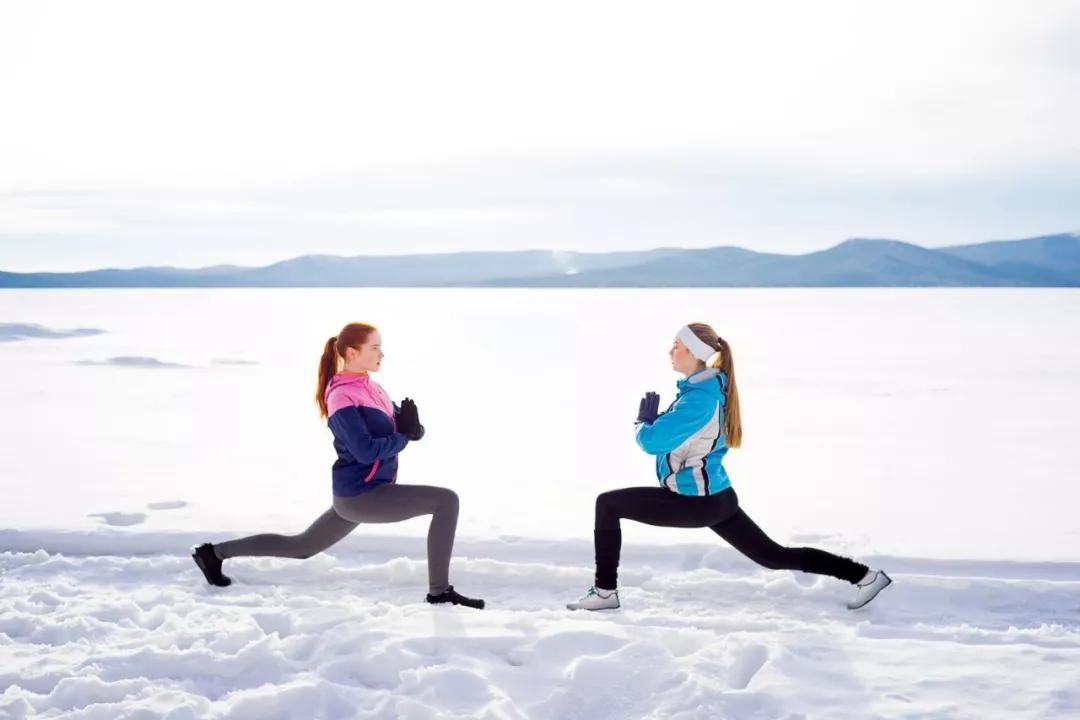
(689, 441)
(370, 431)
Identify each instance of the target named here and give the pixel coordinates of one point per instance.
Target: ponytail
(328, 367)
(725, 363)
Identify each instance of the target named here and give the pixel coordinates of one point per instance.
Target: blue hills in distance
(1045, 261)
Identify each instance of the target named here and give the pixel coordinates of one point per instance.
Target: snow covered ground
(930, 432)
(703, 634)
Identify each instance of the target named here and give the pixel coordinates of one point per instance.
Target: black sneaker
(210, 565)
(451, 596)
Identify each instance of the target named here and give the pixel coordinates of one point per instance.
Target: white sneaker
(593, 600)
(869, 587)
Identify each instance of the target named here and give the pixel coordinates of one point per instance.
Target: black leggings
(721, 514)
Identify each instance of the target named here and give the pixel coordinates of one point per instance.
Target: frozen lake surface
(931, 423)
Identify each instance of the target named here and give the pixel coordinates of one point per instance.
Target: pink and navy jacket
(361, 417)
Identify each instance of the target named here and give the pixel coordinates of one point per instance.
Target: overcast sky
(200, 133)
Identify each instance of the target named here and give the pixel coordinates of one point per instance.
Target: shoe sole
(481, 606)
(575, 609)
(888, 582)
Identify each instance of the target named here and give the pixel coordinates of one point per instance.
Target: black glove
(408, 420)
(649, 408)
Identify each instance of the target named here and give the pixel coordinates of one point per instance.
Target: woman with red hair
(370, 431)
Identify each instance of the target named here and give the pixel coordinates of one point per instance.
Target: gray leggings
(385, 504)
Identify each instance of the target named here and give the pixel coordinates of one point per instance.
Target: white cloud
(231, 92)
(484, 121)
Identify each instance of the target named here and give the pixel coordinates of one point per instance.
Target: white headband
(697, 347)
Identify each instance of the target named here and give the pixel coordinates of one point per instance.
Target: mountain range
(1046, 261)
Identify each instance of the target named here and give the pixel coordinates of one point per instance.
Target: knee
(605, 510)
(604, 501)
(771, 561)
(302, 547)
(449, 500)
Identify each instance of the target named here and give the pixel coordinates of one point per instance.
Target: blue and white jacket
(688, 438)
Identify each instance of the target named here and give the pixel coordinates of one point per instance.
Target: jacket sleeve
(670, 430)
(349, 426)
